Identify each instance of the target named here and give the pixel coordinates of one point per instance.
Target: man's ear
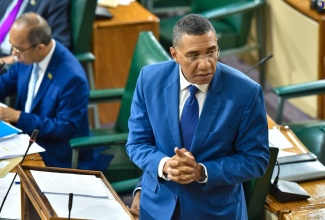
(40, 46)
(173, 53)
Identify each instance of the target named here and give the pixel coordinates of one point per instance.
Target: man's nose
(204, 63)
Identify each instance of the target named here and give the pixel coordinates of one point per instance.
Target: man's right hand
(134, 210)
(181, 168)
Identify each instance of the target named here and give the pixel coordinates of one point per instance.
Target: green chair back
(240, 24)
(147, 51)
(232, 21)
(256, 190)
(311, 134)
(82, 16)
(167, 7)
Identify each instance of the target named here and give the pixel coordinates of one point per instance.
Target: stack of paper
(277, 139)
(13, 149)
(91, 198)
(16, 146)
(11, 208)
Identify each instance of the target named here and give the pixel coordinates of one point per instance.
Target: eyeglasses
(21, 51)
(196, 59)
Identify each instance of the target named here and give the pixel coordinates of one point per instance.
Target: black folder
(301, 171)
(297, 158)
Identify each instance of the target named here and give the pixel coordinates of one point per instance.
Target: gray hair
(39, 32)
(192, 24)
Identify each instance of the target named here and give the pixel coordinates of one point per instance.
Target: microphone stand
(31, 141)
(70, 204)
(260, 63)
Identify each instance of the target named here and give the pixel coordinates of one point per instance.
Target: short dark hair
(39, 30)
(192, 24)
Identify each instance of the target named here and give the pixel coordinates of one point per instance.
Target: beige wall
(293, 40)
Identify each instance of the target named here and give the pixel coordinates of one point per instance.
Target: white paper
(65, 183)
(84, 188)
(3, 105)
(277, 139)
(125, 2)
(283, 153)
(12, 207)
(16, 146)
(87, 207)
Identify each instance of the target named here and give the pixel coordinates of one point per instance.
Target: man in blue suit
(56, 13)
(197, 129)
(52, 91)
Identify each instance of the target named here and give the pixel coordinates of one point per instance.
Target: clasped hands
(182, 168)
(9, 114)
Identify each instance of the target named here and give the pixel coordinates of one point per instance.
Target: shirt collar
(45, 62)
(184, 83)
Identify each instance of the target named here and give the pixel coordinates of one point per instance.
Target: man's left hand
(9, 114)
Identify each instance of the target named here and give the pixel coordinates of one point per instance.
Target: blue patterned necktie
(189, 118)
(31, 88)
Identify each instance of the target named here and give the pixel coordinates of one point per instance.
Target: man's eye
(193, 58)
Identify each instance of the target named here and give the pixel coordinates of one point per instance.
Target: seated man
(56, 13)
(52, 91)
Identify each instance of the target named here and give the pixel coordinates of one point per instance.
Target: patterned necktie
(31, 88)
(190, 117)
(6, 25)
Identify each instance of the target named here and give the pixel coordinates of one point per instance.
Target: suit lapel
(24, 86)
(32, 4)
(212, 105)
(49, 76)
(172, 106)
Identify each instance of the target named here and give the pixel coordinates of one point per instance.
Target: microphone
(2, 65)
(285, 191)
(31, 141)
(260, 63)
(70, 204)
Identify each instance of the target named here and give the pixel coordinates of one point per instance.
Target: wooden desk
(316, 188)
(34, 160)
(113, 45)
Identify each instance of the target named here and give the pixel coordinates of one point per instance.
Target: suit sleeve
(141, 146)
(251, 155)
(62, 118)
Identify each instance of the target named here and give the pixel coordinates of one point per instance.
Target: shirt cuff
(206, 173)
(161, 168)
(135, 190)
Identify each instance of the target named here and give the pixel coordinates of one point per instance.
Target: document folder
(300, 171)
(297, 158)
(35, 204)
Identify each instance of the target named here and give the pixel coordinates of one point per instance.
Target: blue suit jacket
(231, 141)
(56, 13)
(59, 110)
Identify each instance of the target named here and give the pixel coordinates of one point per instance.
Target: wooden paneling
(113, 45)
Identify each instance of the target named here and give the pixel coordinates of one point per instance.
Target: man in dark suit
(56, 13)
(52, 91)
(197, 129)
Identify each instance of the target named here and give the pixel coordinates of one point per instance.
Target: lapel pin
(49, 75)
(32, 2)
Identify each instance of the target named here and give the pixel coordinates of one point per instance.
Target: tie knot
(193, 90)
